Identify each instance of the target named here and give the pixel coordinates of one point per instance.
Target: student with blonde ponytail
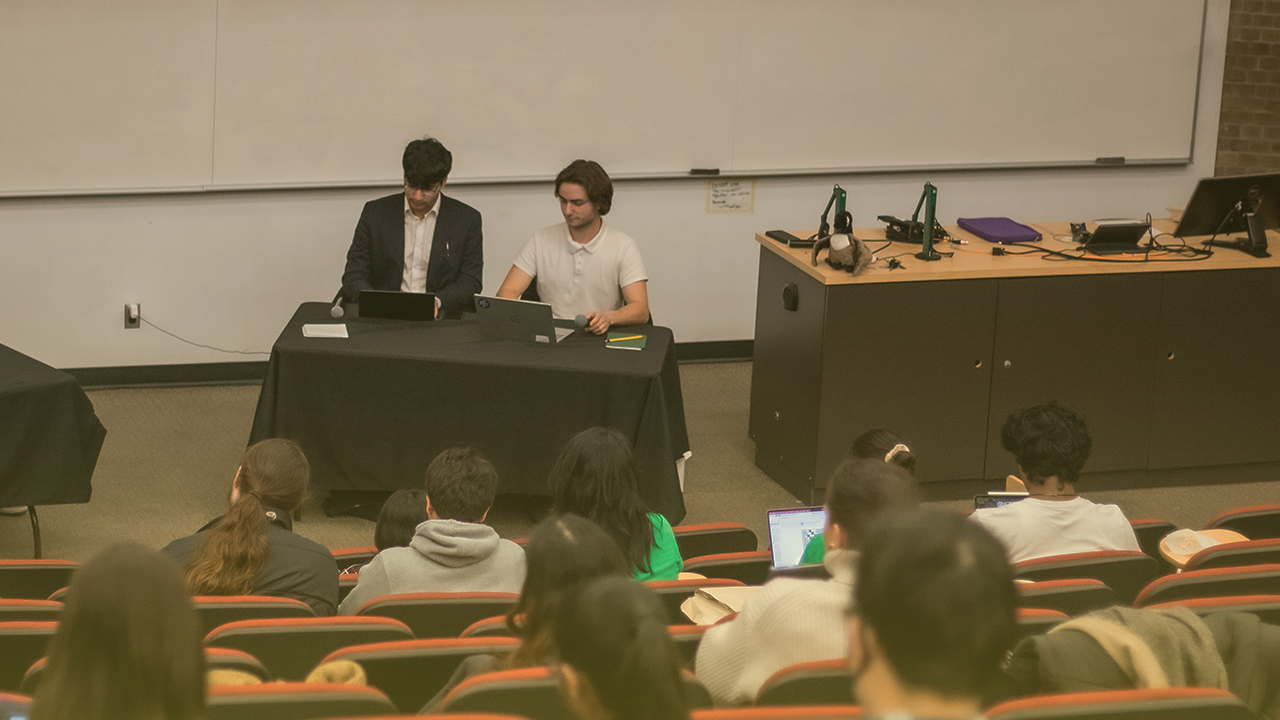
(252, 550)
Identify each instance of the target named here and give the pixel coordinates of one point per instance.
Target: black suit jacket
(456, 264)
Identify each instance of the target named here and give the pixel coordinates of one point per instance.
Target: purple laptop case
(999, 229)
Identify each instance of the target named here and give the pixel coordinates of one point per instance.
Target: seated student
(397, 522)
(932, 617)
(871, 445)
(252, 550)
(595, 477)
(794, 620)
(453, 551)
(564, 552)
(618, 661)
(129, 644)
(1050, 443)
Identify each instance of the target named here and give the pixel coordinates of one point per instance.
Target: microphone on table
(580, 321)
(337, 310)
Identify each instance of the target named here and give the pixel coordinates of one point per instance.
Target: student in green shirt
(595, 477)
(870, 445)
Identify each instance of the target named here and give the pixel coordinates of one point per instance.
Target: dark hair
(860, 490)
(614, 634)
(1047, 440)
(938, 593)
(593, 179)
(128, 645)
(426, 163)
(461, 484)
(878, 444)
(563, 552)
(400, 516)
(595, 477)
(273, 474)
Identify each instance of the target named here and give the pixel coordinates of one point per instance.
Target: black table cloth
(49, 435)
(373, 409)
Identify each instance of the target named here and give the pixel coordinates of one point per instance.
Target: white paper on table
(329, 330)
(1189, 542)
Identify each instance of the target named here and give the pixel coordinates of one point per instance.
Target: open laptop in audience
(518, 320)
(790, 530)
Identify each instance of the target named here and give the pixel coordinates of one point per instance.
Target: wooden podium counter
(1173, 363)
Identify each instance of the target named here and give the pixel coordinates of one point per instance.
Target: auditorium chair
(821, 682)
(216, 610)
(1038, 621)
(1163, 704)
(1266, 607)
(749, 568)
(714, 538)
(34, 579)
(439, 615)
(1236, 554)
(291, 648)
(1126, 572)
(214, 659)
(411, 672)
(782, 712)
(1217, 582)
(20, 610)
(295, 701)
(346, 557)
(1149, 533)
(535, 694)
(674, 592)
(1073, 597)
(346, 583)
(495, 626)
(1256, 522)
(13, 705)
(686, 638)
(21, 644)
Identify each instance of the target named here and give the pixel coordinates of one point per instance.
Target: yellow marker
(630, 337)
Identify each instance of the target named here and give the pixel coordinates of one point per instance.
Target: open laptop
(396, 305)
(1117, 238)
(790, 531)
(518, 320)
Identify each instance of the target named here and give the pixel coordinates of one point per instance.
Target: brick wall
(1249, 126)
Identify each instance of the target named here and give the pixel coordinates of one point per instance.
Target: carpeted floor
(170, 455)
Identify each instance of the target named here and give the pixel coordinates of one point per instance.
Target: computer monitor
(1246, 203)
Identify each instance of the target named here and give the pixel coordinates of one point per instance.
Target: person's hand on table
(599, 322)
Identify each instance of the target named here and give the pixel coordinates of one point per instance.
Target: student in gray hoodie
(453, 551)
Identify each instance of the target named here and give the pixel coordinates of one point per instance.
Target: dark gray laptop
(518, 320)
(396, 305)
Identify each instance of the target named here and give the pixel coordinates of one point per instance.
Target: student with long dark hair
(618, 660)
(399, 518)
(563, 553)
(129, 644)
(595, 477)
(252, 550)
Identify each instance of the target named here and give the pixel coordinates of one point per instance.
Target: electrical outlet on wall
(132, 316)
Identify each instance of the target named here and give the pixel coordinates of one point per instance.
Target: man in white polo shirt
(583, 267)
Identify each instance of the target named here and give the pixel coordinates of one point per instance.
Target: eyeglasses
(411, 190)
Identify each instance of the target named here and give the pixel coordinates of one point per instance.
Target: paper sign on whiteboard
(726, 196)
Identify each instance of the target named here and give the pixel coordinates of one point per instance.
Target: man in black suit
(418, 240)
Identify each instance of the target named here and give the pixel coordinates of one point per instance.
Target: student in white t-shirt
(583, 267)
(1051, 443)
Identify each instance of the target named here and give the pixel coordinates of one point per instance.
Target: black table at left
(371, 410)
(50, 436)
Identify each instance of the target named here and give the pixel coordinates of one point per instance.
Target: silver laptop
(790, 531)
(518, 320)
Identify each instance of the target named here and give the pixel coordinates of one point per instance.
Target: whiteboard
(222, 94)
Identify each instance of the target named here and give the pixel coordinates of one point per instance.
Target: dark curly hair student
(1051, 443)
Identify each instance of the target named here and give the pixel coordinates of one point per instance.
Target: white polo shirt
(575, 278)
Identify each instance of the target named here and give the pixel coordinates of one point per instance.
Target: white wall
(228, 269)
